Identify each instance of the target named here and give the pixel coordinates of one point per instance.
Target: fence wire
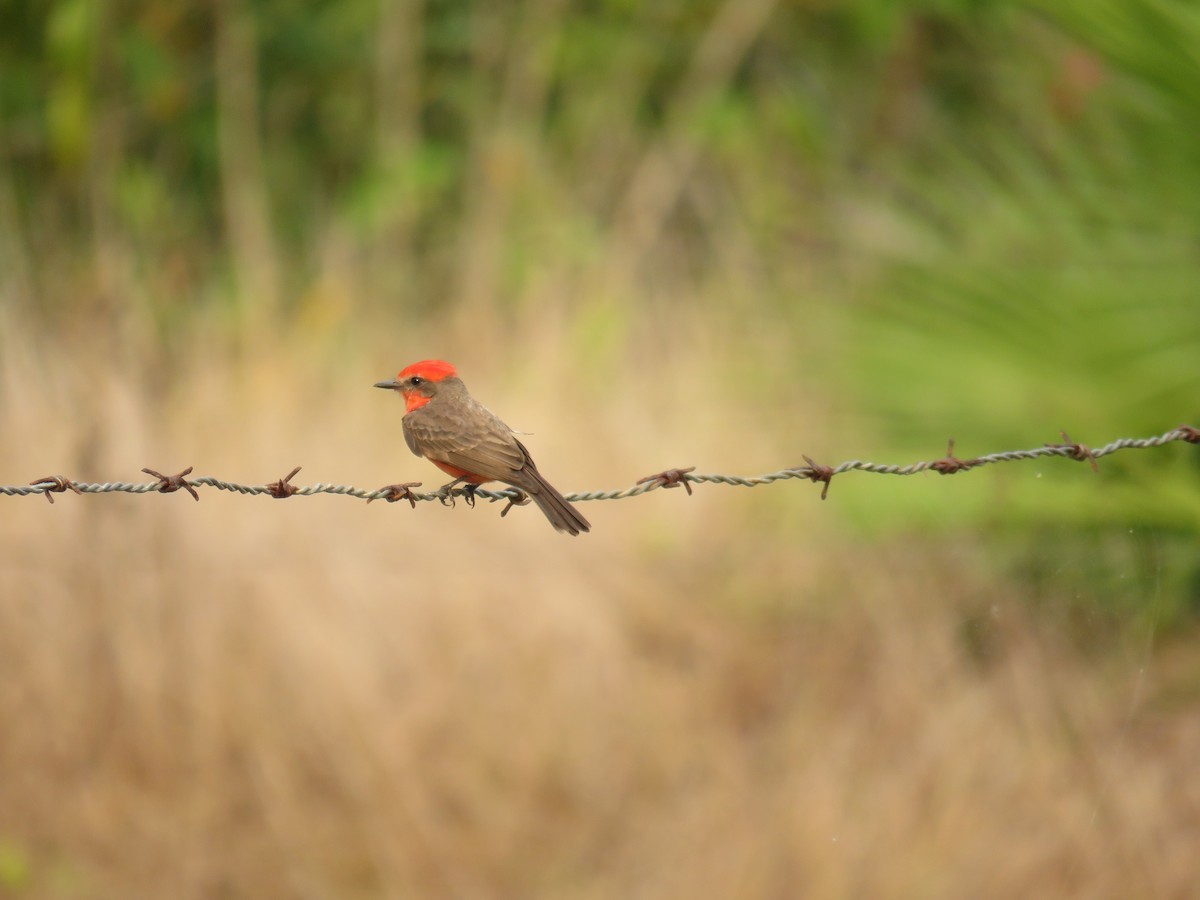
(669, 478)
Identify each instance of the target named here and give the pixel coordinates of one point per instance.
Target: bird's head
(420, 382)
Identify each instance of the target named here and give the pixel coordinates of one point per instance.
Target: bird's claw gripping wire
(819, 473)
(1190, 434)
(171, 483)
(519, 499)
(393, 492)
(1079, 452)
(949, 464)
(670, 478)
(55, 484)
(283, 487)
(446, 495)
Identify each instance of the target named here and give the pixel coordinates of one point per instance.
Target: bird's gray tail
(562, 515)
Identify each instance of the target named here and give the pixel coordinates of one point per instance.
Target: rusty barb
(1075, 451)
(817, 474)
(393, 492)
(949, 464)
(521, 499)
(283, 488)
(169, 484)
(668, 478)
(53, 484)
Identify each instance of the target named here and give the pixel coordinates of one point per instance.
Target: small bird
(465, 439)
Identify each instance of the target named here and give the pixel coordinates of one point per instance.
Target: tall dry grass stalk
(714, 696)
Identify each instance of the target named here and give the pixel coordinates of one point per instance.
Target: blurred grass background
(714, 233)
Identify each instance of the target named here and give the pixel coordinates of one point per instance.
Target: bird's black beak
(392, 385)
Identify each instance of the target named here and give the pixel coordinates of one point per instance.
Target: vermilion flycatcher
(464, 438)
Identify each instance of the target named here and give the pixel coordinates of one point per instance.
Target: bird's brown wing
(473, 440)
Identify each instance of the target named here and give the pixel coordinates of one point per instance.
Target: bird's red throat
(414, 400)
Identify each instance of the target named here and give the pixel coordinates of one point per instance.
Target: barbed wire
(669, 478)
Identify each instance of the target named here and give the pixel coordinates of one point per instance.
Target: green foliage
(14, 866)
(1040, 271)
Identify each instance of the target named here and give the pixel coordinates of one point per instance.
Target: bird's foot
(445, 493)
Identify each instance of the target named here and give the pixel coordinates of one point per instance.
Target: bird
(466, 440)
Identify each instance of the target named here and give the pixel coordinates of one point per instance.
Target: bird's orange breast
(461, 473)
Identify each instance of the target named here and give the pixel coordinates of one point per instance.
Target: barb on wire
(668, 478)
(949, 464)
(168, 484)
(1077, 451)
(394, 492)
(817, 473)
(55, 484)
(283, 488)
(521, 499)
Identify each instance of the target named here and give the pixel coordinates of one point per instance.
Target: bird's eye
(415, 380)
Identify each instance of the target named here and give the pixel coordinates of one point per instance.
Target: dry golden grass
(716, 696)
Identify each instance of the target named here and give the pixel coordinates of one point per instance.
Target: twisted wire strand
(667, 479)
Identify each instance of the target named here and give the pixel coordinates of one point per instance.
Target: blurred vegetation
(967, 217)
(726, 233)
